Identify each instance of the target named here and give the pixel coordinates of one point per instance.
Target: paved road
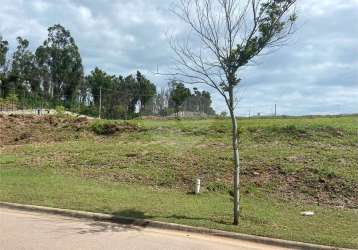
(28, 230)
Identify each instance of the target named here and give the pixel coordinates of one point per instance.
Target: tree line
(53, 75)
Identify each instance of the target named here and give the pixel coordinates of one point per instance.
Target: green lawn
(288, 166)
(260, 214)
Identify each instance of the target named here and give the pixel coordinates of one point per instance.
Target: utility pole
(100, 102)
(275, 109)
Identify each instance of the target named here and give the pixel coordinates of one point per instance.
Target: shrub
(60, 110)
(104, 127)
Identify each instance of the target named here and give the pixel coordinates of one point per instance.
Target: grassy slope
(107, 174)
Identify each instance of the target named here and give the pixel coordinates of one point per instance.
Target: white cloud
(40, 5)
(316, 72)
(322, 7)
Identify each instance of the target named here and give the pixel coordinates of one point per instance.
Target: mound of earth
(25, 129)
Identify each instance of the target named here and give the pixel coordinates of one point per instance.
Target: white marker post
(197, 186)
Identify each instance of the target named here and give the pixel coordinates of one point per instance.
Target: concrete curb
(170, 226)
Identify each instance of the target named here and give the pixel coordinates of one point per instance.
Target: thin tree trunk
(236, 156)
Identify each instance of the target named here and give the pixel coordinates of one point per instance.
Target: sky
(315, 73)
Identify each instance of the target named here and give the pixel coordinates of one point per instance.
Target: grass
(260, 214)
(288, 166)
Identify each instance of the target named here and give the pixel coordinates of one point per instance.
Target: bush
(104, 127)
(60, 110)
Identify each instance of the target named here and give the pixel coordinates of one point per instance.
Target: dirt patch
(307, 185)
(217, 145)
(294, 132)
(23, 129)
(314, 187)
(23, 137)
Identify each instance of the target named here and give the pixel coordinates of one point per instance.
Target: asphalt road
(29, 230)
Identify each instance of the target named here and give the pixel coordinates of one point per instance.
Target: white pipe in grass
(197, 186)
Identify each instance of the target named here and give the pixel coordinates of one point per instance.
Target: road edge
(168, 226)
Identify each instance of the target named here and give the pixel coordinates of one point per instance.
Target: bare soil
(25, 129)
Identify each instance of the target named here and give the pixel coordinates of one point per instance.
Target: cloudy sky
(317, 73)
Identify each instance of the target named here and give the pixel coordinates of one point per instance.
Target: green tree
(130, 88)
(97, 81)
(229, 34)
(205, 101)
(120, 99)
(60, 57)
(119, 95)
(4, 48)
(23, 69)
(178, 95)
(145, 90)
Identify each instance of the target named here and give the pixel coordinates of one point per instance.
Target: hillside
(286, 162)
(313, 160)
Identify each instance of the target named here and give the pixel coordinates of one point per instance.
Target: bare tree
(226, 35)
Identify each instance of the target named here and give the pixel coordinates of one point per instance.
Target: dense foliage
(53, 76)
